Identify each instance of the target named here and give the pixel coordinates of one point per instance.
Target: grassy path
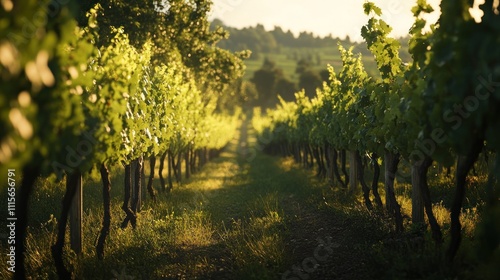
(267, 221)
(245, 215)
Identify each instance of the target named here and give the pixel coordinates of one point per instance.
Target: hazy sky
(340, 18)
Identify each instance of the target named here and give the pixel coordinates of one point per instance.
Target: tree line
(258, 39)
(305, 50)
(270, 81)
(261, 41)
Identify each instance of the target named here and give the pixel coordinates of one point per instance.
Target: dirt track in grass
(316, 240)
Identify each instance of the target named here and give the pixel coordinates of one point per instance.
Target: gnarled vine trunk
(391, 161)
(426, 198)
(187, 164)
(30, 173)
(57, 249)
(335, 167)
(160, 170)
(417, 203)
(316, 156)
(361, 179)
(126, 199)
(193, 161)
(376, 176)
(151, 189)
(106, 220)
(170, 161)
(464, 165)
(137, 203)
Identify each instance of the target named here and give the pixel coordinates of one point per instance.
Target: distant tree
(283, 38)
(289, 39)
(306, 39)
(325, 75)
(265, 79)
(286, 89)
(249, 92)
(247, 37)
(348, 39)
(310, 80)
(278, 34)
(270, 81)
(268, 64)
(217, 23)
(267, 40)
(329, 41)
(302, 66)
(241, 94)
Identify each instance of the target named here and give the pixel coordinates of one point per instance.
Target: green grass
(247, 215)
(227, 219)
(409, 256)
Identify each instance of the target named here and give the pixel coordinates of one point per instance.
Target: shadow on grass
(164, 262)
